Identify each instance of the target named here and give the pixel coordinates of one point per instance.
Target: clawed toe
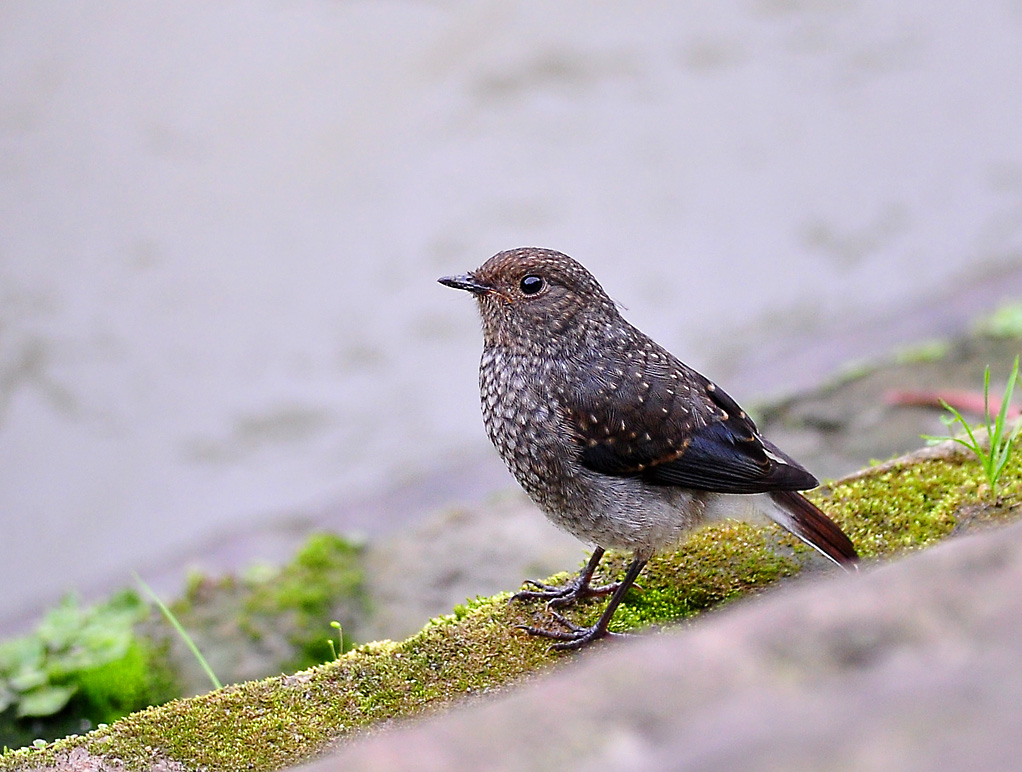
(565, 595)
(542, 586)
(573, 637)
(567, 623)
(543, 591)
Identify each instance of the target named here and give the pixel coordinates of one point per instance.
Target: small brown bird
(617, 441)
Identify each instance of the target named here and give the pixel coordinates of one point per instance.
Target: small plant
(80, 664)
(336, 651)
(994, 454)
(41, 672)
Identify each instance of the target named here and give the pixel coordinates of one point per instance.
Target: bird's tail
(797, 514)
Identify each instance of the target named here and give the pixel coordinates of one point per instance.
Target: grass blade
(169, 615)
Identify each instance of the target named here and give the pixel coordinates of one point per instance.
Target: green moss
(927, 351)
(1005, 322)
(115, 688)
(327, 570)
(893, 509)
(279, 722)
(286, 610)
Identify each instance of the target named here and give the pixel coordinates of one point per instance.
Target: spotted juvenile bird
(617, 441)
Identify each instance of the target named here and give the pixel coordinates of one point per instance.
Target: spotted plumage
(617, 441)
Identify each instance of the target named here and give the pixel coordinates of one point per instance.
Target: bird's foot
(573, 636)
(564, 595)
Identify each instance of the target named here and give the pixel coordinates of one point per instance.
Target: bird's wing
(669, 425)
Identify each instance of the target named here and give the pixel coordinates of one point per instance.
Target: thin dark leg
(576, 637)
(572, 592)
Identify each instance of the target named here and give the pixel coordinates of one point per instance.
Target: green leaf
(60, 627)
(45, 701)
(7, 697)
(28, 679)
(94, 647)
(21, 654)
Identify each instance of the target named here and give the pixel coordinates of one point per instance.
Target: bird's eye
(532, 284)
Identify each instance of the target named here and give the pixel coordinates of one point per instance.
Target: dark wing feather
(722, 459)
(664, 422)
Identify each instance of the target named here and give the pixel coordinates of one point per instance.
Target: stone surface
(477, 549)
(912, 665)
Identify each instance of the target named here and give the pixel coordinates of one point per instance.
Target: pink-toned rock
(916, 665)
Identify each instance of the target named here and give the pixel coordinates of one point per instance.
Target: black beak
(465, 282)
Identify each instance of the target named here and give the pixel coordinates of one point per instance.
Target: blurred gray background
(221, 226)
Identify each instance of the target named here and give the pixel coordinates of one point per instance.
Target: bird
(616, 440)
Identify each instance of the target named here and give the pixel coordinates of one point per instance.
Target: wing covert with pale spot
(653, 417)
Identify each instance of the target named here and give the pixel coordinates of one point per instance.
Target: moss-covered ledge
(278, 722)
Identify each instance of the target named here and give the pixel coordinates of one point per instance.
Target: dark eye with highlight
(532, 284)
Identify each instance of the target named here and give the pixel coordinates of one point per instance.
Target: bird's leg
(577, 589)
(576, 637)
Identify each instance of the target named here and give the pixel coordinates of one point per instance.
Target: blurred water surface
(221, 225)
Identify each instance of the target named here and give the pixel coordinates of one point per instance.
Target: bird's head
(528, 293)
